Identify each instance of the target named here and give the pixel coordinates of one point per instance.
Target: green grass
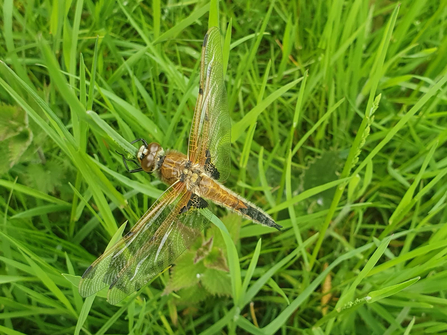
(339, 132)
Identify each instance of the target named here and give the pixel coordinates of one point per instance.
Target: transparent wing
(158, 238)
(209, 139)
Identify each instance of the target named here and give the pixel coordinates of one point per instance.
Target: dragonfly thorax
(149, 156)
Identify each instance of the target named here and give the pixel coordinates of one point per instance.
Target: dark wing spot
(212, 171)
(129, 234)
(210, 168)
(205, 40)
(197, 202)
(194, 202)
(200, 91)
(89, 269)
(113, 283)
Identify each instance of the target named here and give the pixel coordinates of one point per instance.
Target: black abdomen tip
(258, 216)
(275, 225)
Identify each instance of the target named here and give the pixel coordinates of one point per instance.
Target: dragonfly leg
(135, 170)
(125, 160)
(138, 140)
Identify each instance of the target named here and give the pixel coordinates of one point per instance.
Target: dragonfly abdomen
(219, 194)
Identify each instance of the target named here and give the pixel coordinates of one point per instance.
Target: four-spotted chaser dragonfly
(174, 222)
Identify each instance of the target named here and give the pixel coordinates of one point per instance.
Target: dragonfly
(175, 221)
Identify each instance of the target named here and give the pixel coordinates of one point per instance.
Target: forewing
(158, 238)
(209, 140)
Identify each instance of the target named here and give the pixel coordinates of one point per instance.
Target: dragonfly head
(149, 155)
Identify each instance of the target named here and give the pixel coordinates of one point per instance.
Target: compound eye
(148, 163)
(142, 156)
(153, 147)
